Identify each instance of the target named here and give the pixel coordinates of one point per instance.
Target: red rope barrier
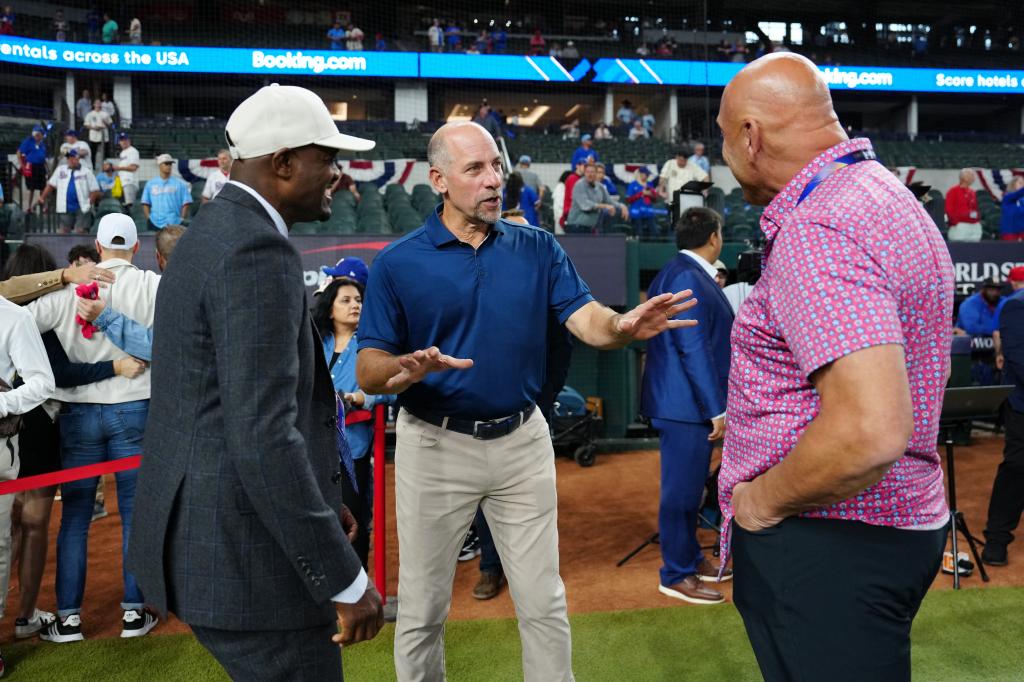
(380, 575)
(72, 474)
(133, 462)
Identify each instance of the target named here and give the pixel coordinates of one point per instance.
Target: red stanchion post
(380, 571)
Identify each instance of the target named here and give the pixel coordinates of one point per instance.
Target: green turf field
(970, 635)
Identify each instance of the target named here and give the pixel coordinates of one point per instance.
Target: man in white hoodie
(22, 354)
(99, 422)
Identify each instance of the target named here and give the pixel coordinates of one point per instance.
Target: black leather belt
(481, 430)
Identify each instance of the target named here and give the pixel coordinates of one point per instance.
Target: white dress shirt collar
(708, 267)
(271, 211)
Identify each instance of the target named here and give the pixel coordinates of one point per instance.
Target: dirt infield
(604, 512)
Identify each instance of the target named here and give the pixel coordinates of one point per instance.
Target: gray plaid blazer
(237, 509)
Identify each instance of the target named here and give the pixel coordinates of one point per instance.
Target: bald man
(830, 474)
(455, 321)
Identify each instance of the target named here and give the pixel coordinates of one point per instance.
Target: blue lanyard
(841, 162)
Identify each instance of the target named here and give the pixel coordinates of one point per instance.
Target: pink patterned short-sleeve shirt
(858, 263)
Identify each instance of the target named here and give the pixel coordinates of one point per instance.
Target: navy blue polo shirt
(488, 304)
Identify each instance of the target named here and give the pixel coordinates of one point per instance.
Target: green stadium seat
(107, 206)
(305, 228)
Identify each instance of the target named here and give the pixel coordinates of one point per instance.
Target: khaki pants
(440, 477)
(965, 232)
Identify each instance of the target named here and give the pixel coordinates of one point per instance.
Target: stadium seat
(337, 225)
(305, 228)
(742, 232)
(107, 206)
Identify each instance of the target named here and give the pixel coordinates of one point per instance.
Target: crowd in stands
(83, 194)
(350, 38)
(973, 215)
(97, 27)
(832, 43)
(74, 182)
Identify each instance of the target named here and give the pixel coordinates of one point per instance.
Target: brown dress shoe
(489, 586)
(692, 590)
(707, 572)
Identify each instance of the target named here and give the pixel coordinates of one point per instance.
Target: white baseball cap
(115, 225)
(285, 117)
(165, 158)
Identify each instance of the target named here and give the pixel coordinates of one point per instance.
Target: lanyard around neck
(841, 162)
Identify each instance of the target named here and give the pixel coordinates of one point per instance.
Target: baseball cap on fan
(285, 117)
(114, 225)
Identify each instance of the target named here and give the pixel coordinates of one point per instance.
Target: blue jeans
(92, 433)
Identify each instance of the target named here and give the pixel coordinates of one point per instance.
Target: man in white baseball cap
(101, 421)
(285, 117)
(117, 231)
(263, 574)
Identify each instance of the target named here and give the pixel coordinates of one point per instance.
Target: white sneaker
(137, 622)
(63, 630)
(26, 627)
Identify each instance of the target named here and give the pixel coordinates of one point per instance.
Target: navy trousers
(275, 655)
(685, 457)
(824, 599)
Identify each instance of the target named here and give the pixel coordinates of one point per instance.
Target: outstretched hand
(655, 315)
(417, 365)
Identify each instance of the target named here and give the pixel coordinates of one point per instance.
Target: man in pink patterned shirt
(840, 356)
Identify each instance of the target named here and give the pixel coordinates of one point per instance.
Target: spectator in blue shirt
(641, 194)
(700, 158)
(609, 184)
(166, 199)
(453, 37)
(1011, 223)
(106, 178)
(32, 153)
(336, 35)
(521, 197)
(584, 152)
(336, 314)
(500, 38)
(93, 19)
(977, 314)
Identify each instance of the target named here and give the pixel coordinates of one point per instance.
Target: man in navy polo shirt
(471, 293)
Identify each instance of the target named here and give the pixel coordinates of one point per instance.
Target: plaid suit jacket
(237, 516)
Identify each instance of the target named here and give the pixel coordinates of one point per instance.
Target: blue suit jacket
(1011, 333)
(687, 370)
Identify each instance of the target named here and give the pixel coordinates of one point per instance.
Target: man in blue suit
(684, 389)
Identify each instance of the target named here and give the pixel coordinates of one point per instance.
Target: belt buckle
(482, 429)
(496, 428)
